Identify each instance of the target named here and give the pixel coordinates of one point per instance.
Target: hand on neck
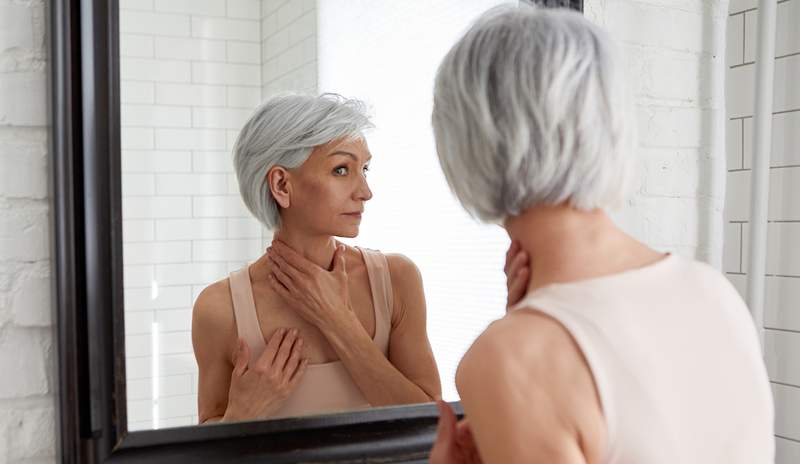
(316, 248)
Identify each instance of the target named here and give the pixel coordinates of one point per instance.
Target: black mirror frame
(87, 267)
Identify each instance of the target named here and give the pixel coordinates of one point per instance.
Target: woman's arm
(529, 394)
(410, 374)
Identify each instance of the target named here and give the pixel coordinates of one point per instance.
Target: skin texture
(528, 393)
(325, 296)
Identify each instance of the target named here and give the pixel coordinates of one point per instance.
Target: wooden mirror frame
(88, 289)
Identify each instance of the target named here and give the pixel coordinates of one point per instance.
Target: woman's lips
(353, 215)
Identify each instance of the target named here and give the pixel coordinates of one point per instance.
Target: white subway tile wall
(782, 311)
(192, 72)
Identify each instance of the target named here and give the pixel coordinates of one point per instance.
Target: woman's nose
(364, 193)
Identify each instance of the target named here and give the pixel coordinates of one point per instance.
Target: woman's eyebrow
(347, 153)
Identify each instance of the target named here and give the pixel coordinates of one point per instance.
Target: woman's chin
(348, 232)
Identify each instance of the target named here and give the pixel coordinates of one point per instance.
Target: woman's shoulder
(212, 314)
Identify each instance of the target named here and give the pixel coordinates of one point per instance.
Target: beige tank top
(325, 387)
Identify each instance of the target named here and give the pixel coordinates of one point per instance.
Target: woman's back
(675, 360)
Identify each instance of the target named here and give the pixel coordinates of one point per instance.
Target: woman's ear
(278, 181)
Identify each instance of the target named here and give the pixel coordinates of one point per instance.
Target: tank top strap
(380, 283)
(244, 310)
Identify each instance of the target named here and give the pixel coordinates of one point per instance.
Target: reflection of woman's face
(329, 189)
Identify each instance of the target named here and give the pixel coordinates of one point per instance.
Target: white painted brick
(787, 92)
(24, 97)
(137, 368)
(739, 282)
(172, 320)
(190, 49)
(246, 9)
(137, 138)
(226, 73)
(782, 303)
(739, 91)
(182, 421)
(733, 143)
(787, 411)
(786, 451)
(156, 161)
(190, 139)
(674, 172)
(138, 230)
(783, 249)
(244, 228)
(219, 206)
(226, 250)
(270, 6)
(177, 364)
(139, 275)
(220, 118)
(178, 407)
(628, 20)
(141, 22)
(269, 25)
(138, 344)
(212, 161)
(191, 184)
(785, 140)
(136, 92)
(175, 385)
(16, 29)
(233, 185)
(24, 235)
(138, 389)
(32, 433)
(289, 12)
(787, 34)
(24, 352)
(138, 184)
(175, 342)
(156, 207)
(155, 116)
(190, 229)
(190, 94)
(137, 46)
(138, 323)
(737, 6)
(663, 75)
(672, 127)
(24, 170)
(136, 5)
(140, 411)
(782, 355)
(731, 254)
(244, 97)
(193, 7)
(734, 51)
(146, 69)
(228, 29)
(270, 70)
(303, 28)
(275, 44)
(31, 302)
(244, 52)
(137, 299)
(784, 191)
(230, 139)
(157, 252)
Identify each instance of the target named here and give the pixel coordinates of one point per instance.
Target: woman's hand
(517, 273)
(258, 392)
(454, 441)
(321, 297)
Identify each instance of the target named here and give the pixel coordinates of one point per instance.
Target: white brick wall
(671, 51)
(191, 75)
(27, 401)
(782, 314)
(288, 46)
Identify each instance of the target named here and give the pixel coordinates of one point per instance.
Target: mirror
(191, 74)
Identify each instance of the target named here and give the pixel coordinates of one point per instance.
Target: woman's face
(328, 191)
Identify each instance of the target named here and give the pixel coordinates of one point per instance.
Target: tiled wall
(192, 72)
(782, 312)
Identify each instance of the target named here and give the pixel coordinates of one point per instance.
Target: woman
(616, 353)
(312, 326)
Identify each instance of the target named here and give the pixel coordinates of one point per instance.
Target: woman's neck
(565, 244)
(318, 249)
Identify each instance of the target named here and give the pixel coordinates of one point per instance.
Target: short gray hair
(529, 110)
(282, 132)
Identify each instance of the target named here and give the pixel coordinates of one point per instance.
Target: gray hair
(282, 132)
(529, 110)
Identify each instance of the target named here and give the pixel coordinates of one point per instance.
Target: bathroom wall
(782, 312)
(27, 400)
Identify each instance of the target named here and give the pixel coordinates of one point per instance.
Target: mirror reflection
(291, 140)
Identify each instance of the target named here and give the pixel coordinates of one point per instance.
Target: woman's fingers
(519, 261)
(271, 350)
(447, 422)
(512, 251)
(298, 372)
(287, 345)
(292, 257)
(517, 285)
(294, 359)
(283, 274)
(280, 263)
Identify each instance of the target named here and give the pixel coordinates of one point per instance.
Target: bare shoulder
(408, 294)
(403, 270)
(213, 322)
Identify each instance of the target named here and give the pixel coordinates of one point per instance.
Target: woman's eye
(341, 171)
(366, 168)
